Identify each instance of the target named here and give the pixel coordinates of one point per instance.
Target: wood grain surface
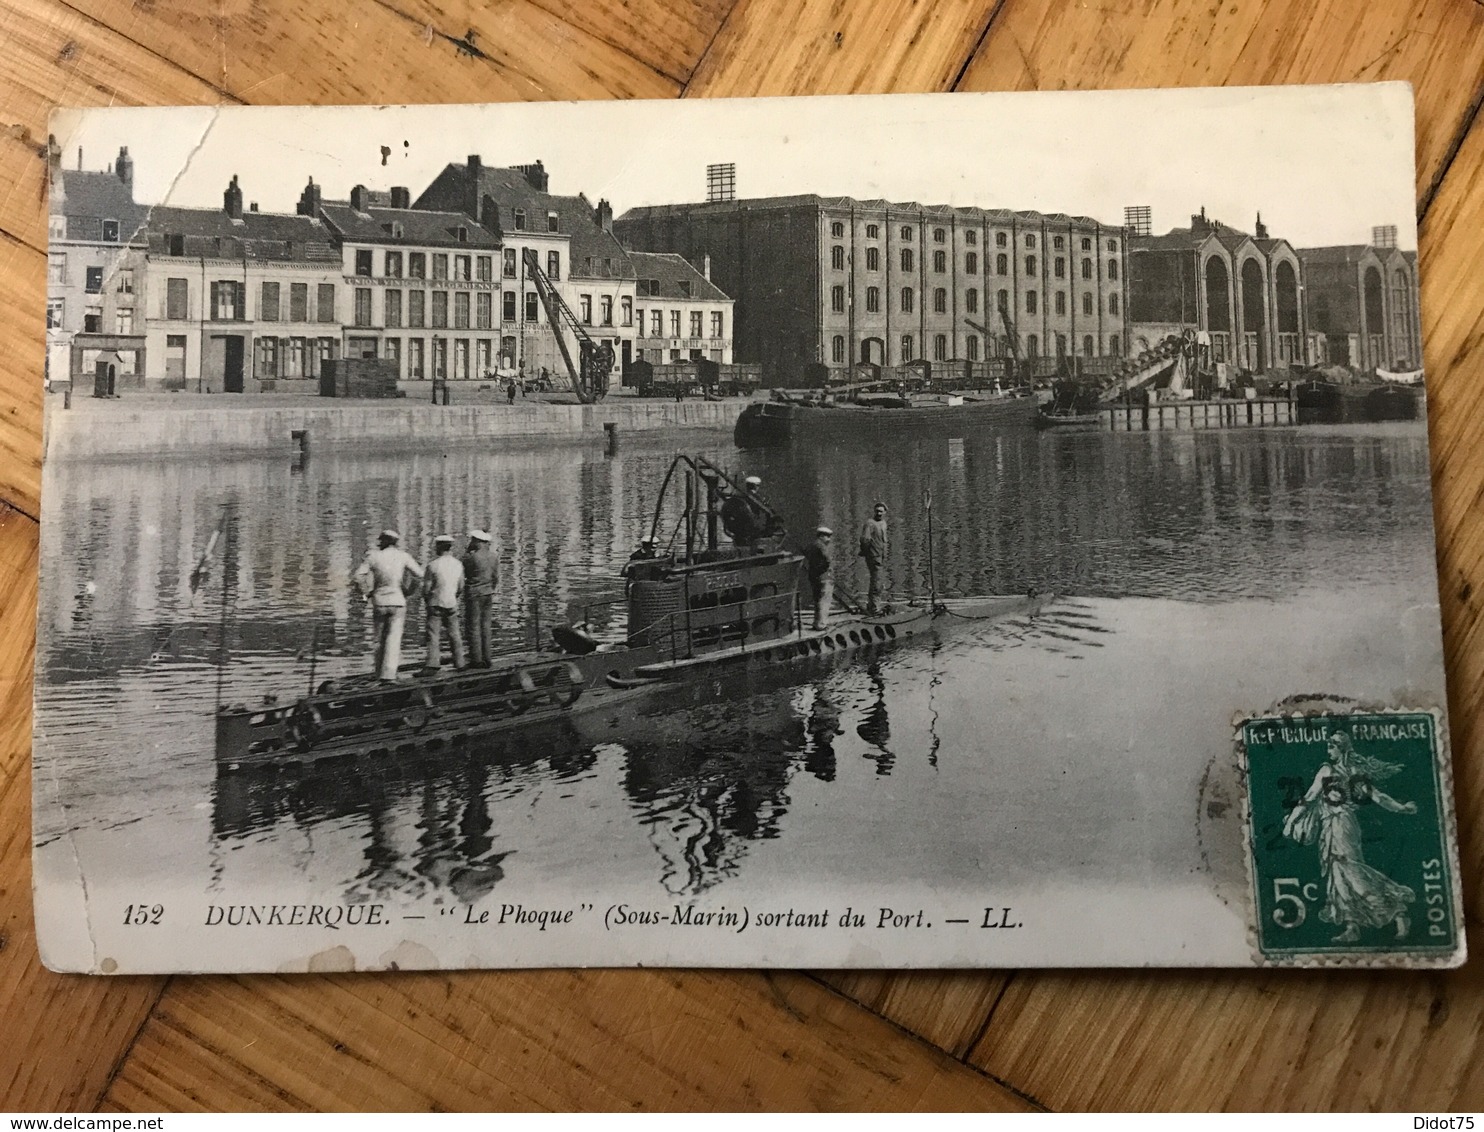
(636, 1040)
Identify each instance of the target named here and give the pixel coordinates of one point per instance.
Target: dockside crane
(588, 375)
(1012, 339)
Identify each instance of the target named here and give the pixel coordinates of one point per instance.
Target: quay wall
(117, 430)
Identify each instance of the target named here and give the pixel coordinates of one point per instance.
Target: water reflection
(693, 792)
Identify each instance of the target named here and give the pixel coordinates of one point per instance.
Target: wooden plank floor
(700, 1040)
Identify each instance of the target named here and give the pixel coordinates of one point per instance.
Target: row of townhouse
(238, 300)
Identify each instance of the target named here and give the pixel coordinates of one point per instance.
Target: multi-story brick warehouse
(843, 281)
(1243, 290)
(1361, 301)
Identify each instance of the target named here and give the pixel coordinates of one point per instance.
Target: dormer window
(110, 231)
(396, 229)
(685, 288)
(463, 234)
(520, 220)
(177, 245)
(553, 222)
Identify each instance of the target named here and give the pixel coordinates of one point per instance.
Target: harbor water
(1197, 574)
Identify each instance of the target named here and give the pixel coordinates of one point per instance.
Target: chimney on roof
(309, 200)
(603, 216)
(1199, 225)
(232, 199)
(359, 198)
(79, 159)
(124, 166)
(252, 207)
(472, 187)
(535, 175)
(401, 196)
(1260, 230)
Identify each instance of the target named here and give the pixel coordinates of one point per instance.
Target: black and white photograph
(974, 530)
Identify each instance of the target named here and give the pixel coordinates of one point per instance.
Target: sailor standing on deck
(443, 588)
(873, 550)
(384, 577)
(817, 563)
(480, 576)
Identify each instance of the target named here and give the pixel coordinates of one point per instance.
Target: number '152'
(137, 915)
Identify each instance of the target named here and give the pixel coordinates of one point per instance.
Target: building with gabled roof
(844, 281)
(1361, 300)
(680, 314)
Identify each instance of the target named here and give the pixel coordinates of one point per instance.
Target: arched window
(1032, 346)
(1087, 267)
(1087, 346)
(1086, 244)
(971, 263)
(1030, 265)
(909, 348)
(873, 231)
(939, 235)
(1061, 345)
(1112, 304)
(1030, 302)
(971, 301)
(1114, 345)
(837, 229)
(873, 259)
(940, 300)
(906, 259)
(837, 299)
(971, 237)
(940, 261)
(1002, 264)
(906, 300)
(873, 299)
(1061, 302)
(1004, 300)
(907, 233)
(940, 347)
(1057, 243)
(837, 348)
(1112, 269)
(1030, 241)
(1000, 240)
(971, 347)
(837, 257)
(1087, 303)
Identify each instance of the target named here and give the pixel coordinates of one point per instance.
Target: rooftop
(676, 277)
(415, 226)
(212, 233)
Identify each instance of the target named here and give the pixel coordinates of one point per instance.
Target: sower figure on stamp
(444, 588)
(480, 576)
(384, 577)
(821, 585)
(873, 548)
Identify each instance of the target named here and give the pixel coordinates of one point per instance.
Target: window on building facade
(657, 324)
(363, 261)
(1087, 269)
(463, 268)
(484, 267)
(971, 263)
(56, 311)
(837, 258)
(837, 229)
(1057, 243)
(440, 265)
(837, 348)
(674, 324)
(837, 299)
(626, 310)
(507, 306)
(391, 308)
(1001, 239)
(1030, 241)
(940, 262)
(123, 320)
(94, 282)
(268, 298)
(123, 281)
(520, 220)
(873, 231)
(1030, 302)
(683, 286)
(1061, 345)
(1086, 244)
(461, 359)
(605, 304)
(585, 303)
(940, 347)
(439, 357)
(56, 269)
(298, 302)
(1112, 269)
(1059, 267)
(1003, 299)
(324, 305)
(1113, 246)
(907, 233)
(92, 320)
(907, 259)
(486, 358)
(1112, 304)
(906, 300)
(461, 310)
(909, 348)
(1002, 264)
(940, 300)
(971, 347)
(416, 367)
(639, 317)
(392, 349)
(939, 235)
(554, 264)
(1087, 346)
(362, 312)
(533, 307)
(1087, 303)
(484, 310)
(971, 300)
(417, 265)
(1061, 302)
(1114, 345)
(508, 262)
(225, 303)
(1030, 265)
(416, 309)
(873, 259)
(265, 362)
(438, 310)
(394, 265)
(971, 237)
(718, 327)
(873, 299)
(1032, 346)
(697, 318)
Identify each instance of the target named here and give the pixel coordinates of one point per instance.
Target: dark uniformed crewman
(817, 563)
(747, 519)
(480, 576)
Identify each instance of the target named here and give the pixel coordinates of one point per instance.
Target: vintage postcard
(986, 530)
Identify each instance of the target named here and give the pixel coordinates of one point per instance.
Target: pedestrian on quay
(873, 546)
(444, 589)
(384, 577)
(480, 576)
(510, 392)
(817, 562)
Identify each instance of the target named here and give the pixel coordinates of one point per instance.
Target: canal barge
(701, 613)
(783, 420)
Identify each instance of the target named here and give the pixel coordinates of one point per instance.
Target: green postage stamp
(1350, 838)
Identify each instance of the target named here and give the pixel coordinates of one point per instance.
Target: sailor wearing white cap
(817, 563)
(480, 576)
(384, 577)
(443, 589)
